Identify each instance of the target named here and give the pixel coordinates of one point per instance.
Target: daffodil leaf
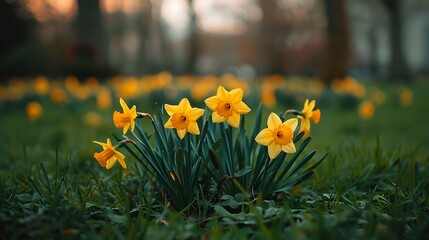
(24, 198)
(285, 167)
(256, 127)
(302, 163)
(116, 218)
(239, 154)
(203, 135)
(244, 171)
(214, 158)
(298, 135)
(290, 184)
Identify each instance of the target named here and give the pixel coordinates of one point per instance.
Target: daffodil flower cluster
(217, 148)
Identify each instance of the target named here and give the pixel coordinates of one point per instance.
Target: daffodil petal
(195, 113)
(126, 127)
(305, 125)
(264, 137)
(169, 124)
(212, 102)
(121, 160)
(109, 143)
(236, 95)
(234, 120)
(193, 128)
(171, 109)
(110, 162)
(181, 133)
(124, 105)
(292, 123)
(273, 121)
(274, 150)
(104, 145)
(222, 93)
(133, 125)
(241, 108)
(216, 118)
(305, 105)
(185, 106)
(133, 112)
(312, 105)
(289, 148)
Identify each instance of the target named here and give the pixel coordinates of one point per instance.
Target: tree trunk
(269, 38)
(90, 27)
(335, 61)
(398, 66)
(192, 42)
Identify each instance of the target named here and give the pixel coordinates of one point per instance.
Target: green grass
(373, 184)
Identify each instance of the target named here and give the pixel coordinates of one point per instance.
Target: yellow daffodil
(107, 158)
(308, 114)
(278, 136)
(126, 119)
(227, 106)
(183, 118)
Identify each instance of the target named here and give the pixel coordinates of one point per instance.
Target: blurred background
(329, 39)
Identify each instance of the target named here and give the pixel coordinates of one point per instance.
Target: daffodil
(125, 119)
(278, 136)
(107, 158)
(227, 106)
(308, 114)
(183, 118)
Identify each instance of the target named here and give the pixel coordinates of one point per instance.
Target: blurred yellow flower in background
(58, 95)
(348, 85)
(125, 120)
(128, 87)
(104, 99)
(406, 97)
(227, 106)
(91, 82)
(378, 96)
(72, 83)
(278, 136)
(93, 119)
(366, 110)
(268, 95)
(203, 87)
(108, 157)
(41, 85)
(183, 118)
(2, 93)
(34, 110)
(82, 92)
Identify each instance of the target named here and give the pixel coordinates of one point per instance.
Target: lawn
(372, 184)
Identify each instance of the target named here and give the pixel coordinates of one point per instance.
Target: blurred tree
(334, 64)
(89, 22)
(87, 57)
(398, 65)
(192, 41)
(14, 31)
(271, 37)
